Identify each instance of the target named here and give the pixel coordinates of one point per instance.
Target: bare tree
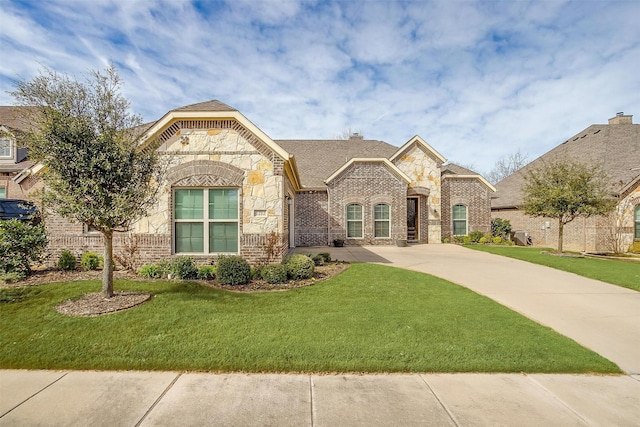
(506, 166)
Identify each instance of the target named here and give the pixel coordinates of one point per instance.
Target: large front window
(459, 220)
(206, 220)
(381, 221)
(354, 221)
(637, 223)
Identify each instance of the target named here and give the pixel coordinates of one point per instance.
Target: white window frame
(3, 191)
(376, 220)
(6, 144)
(205, 220)
(348, 221)
(466, 220)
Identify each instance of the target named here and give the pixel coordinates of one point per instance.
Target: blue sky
(477, 80)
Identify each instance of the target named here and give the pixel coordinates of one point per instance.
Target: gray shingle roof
(318, 159)
(212, 105)
(615, 146)
(15, 117)
(453, 169)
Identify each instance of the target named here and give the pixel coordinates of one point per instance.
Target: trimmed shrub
(318, 260)
(482, 240)
(90, 261)
(13, 277)
(466, 240)
(475, 236)
(446, 240)
(207, 272)
(274, 273)
(326, 256)
(21, 244)
(233, 270)
(183, 268)
(150, 271)
(501, 227)
(165, 268)
(634, 248)
(299, 267)
(256, 273)
(497, 240)
(458, 239)
(67, 261)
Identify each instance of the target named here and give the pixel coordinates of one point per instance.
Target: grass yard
(618, 272)
(368, 319)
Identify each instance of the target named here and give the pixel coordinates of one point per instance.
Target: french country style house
(231, 189)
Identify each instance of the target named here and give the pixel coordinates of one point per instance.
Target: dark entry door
(412, 218)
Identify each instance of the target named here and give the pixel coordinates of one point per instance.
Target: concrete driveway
(598, 315)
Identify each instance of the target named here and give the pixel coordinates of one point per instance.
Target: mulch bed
(94, 304)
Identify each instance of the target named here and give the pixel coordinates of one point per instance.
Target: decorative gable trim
(418, 142)
(393, 168)
(170, 123)
(478, 177)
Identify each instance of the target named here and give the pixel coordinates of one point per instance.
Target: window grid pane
(381, 212)
(354, 229)
(637, 234)
(5, 148)
(354, 212)
(189, 237)
(460, 212)
(223, 237)
(382, 229)
(223, 204)
(189, 204)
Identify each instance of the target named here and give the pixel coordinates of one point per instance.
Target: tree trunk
(560, 234)
(107, 272)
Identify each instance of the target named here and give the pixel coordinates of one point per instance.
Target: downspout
(328, 217)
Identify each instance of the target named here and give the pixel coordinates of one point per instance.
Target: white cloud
(477, 80)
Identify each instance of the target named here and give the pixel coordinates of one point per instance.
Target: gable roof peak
(211, 105)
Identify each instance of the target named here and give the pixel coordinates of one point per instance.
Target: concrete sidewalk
(598, 315)
(54, 398)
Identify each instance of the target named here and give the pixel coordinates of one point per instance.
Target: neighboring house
(614, 146)
(231, 189)
(13, 159)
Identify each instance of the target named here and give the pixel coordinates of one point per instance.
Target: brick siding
(471, 193)
(368, 184)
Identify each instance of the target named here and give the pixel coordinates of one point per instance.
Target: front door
(412, 218)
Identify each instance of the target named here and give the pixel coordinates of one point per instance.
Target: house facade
(616, 148)
(231, 189)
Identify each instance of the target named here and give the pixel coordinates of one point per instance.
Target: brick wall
(311, 218)
(368, 184)
(471, 193)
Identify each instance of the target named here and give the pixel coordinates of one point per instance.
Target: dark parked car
(19, 209)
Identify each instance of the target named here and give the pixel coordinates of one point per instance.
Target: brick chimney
(621, 119)
(356, 136)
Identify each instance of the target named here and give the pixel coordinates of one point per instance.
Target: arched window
(354, 221)
(459, 214)
(637, 223)
(381, 221)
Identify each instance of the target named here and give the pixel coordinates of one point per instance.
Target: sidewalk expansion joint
(36, 393)
(556, 398)
(166, 390)
(453, 419)
(311, 398)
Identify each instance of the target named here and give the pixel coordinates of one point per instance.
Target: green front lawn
(368, 319)
(624, 273)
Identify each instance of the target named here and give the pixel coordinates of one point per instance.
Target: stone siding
(471, 193)
(368, 184)
(424, 171)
